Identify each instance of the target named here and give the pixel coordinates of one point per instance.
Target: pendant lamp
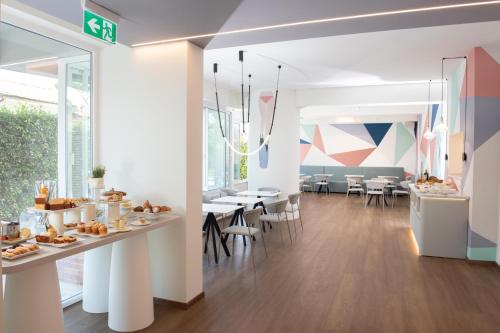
(441, 126)
(428, 134)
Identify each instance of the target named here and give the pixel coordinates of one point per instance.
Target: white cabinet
(439, 223)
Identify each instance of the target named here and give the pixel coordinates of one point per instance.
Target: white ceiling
(153, 20)
(372, 58)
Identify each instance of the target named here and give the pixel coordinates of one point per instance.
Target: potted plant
(97, 179)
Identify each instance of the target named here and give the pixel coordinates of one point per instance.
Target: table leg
(33, 300)
(216, 232)
(96, 265)
(130, 290)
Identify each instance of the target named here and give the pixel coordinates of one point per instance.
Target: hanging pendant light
(264, 141)
(428, 135)
(441, 126)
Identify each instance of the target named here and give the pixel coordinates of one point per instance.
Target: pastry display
(19, 250)
(113, 195)
(92, 228)
(48, 236)
(147, 207)
(70, 225)
(64, 239)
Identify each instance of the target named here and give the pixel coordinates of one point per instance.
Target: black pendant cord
(442, 108)
(248, 106)
(275, 99)
(217, 100)
(240, 57)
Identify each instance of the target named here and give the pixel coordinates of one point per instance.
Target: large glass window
(216, 153)
(221, 166)
(45, 128)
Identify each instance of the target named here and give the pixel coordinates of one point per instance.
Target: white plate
(21, 255)
(61, 245)
(126, 229)
(16, 241)
(152, 216)
(110, 232)
(137, 223)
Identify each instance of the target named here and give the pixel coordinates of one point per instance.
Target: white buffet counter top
(50, 253)
(439, 223)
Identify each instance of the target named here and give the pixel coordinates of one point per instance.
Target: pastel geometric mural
(481, 174)
(369, 144)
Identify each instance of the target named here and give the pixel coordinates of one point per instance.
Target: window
(221, 166)
(239, 161)
(45, 129)
(216, 153)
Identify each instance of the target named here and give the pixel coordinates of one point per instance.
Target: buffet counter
(439, 223)
(32, 298)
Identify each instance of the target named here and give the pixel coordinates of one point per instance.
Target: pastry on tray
(113, 195)
(147, 207)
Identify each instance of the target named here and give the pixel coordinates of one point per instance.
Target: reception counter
(439, 223)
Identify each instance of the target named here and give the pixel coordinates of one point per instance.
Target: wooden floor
(351, 270)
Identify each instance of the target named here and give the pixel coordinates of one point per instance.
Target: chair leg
(251, 250)
(281, 230)
(264, 242)
(300, 218)
(289, 232)
(293, 221)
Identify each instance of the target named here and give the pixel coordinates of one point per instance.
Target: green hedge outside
(28, 152)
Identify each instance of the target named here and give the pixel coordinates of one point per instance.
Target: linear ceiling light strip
(325, 20)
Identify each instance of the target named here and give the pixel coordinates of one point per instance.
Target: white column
(130, 293)
(33, 300)
(157, 101)
(96, 266)
(284, 156)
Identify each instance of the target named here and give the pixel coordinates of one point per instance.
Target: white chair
(354, 187)
(306, 183)
(276, 213)
(293, 210)
(404, 190)
(252, 221)
(375, 188)
(228, 191)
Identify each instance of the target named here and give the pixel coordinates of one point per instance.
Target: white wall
(284, 156)
(149, 125)
(368, 94)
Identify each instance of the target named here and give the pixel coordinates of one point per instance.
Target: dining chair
(402, 190)
(276, 213)
(293, 210)
(228, 191)
(251, 229)
(375, 188)
(354, 187)
(306, 183)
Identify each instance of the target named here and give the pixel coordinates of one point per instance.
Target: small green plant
(98, 171)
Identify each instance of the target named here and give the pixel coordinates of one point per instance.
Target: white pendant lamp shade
(429, 135)
(441, 127)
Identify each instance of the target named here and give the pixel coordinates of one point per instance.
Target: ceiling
(20, 49)
(389, 57)
(150, 20)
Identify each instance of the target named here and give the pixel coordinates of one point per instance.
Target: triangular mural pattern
(354, 144)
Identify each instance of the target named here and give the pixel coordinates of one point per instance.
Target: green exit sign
(99, 27)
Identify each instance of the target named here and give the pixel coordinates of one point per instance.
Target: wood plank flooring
(351, 270)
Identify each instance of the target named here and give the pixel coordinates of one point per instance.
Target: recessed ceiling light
(325, 20)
